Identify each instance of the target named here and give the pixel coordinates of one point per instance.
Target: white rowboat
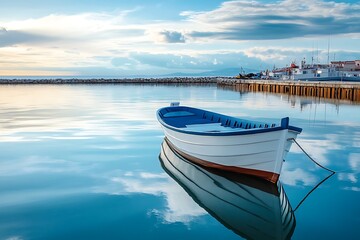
(228, 143)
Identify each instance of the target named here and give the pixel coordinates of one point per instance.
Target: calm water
(82, 162)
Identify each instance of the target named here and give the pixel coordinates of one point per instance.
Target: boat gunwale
(284, 125)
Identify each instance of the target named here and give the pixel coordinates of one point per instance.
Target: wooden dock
(332, 90)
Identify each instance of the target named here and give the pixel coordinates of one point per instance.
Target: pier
(332, 90)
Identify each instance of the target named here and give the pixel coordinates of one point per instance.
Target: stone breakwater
(177, 80)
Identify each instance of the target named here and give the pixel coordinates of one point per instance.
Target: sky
(110, 38)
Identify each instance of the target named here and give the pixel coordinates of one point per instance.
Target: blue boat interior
(186, 117)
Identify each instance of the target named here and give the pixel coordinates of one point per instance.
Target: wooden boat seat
(178, 114)
(209, 127)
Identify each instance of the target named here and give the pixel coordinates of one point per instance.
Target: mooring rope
(293, 139)
(313, 189)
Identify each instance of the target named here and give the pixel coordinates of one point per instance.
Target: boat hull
(260, 154)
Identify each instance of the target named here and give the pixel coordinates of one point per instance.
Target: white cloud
(274, 53)
(166, 36)
(255, 20)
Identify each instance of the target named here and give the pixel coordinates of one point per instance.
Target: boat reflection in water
(251, 207)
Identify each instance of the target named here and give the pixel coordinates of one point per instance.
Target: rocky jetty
(229, 81)
(169, 80)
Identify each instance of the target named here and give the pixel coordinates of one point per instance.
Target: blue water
(82, 162)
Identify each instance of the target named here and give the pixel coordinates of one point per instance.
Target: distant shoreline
(186, 80)
(166, 80)
(326, 89)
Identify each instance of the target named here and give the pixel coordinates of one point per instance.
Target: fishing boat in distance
(228, 143)
(251, 207)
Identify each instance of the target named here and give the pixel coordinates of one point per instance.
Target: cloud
(10, 37)
(200, 61)
(176, 61)
(273, 53)
(283, 55)
(170, 37)
(124, 62)
(83, 30)
(255, 20)
(346, 55)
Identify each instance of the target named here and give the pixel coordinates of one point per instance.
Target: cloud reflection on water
(39, 164)
(297, 176)
(37, 113)
(179, 207)
(354, 161)
(317, 148)
(351, 176)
